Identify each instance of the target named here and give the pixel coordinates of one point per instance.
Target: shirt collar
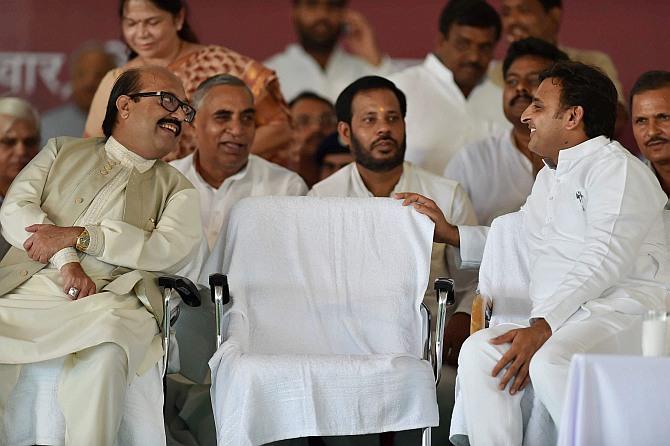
(653, 169)
(238, 176)
(435, 66)
(116, 151)
(400, 186)
(582, 150)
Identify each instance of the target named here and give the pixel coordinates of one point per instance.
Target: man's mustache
(172, 121)
(474, 65)
(656, 139)
(384, 139)
(518, 97)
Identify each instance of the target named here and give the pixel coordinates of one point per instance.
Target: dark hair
(475, 13)
(173, 7)
(532, 46)
(650, 80)
(128, 83)
(346, 98)
(550, 4)
(330, 146)
(588, 87)
(309, 95)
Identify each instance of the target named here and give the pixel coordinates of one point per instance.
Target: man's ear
(123, 106)
(575, 118)
(345, 133)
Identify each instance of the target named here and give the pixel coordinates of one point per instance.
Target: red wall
(635, 34)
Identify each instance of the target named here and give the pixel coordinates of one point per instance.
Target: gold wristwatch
(83, 241)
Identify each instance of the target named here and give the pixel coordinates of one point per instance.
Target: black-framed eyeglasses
(169, 102)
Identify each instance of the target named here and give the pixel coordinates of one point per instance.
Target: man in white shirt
(497, 172)
(318, 63)
(450, 100)
(371, 114)
(597, 257)
(222, 169)
(650, 113)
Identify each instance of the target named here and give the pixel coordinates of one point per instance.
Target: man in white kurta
(318, 63)
(450, 100)
(370, 115)
(127, 213)
(222, 170)
(597, 258)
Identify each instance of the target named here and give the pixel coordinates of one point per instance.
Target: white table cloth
(617, 400)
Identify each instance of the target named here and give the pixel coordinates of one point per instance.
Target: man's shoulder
(262, 168)
(182, 164)
(410, 74)
(290, 53)
(334, 185)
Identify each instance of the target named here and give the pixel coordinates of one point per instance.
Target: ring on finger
(73, 291)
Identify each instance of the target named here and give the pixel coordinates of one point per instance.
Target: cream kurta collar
(116, 151)
(400, 186)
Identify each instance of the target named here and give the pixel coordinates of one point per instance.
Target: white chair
(325, 334)
(33, 414)
(503, 298)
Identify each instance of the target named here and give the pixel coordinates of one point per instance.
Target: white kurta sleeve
(297, 187)
(22, 205)
(622, 206)
(473, 239)
(167, 248)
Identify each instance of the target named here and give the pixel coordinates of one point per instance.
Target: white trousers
(493, 417)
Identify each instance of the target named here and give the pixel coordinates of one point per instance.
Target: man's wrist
(453, 237)
(541, 324)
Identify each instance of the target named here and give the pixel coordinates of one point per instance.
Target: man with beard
(371, 114)
(498, 172)
(87, 220)
(313, 119)
(650, 112)
(450, 101)
(317, 63)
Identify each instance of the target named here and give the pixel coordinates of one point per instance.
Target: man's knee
(476, 352)
(109, 356)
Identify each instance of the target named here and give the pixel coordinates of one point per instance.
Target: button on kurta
(79, 200)
(24, 273)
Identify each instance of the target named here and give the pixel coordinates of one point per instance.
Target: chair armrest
(218, 284)
(444, 291)
(186, 289)
(482, 308)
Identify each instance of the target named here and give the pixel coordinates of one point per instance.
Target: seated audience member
(318, 62)
(371, 122)
(19, 139)
(222, 169)
(542, 19)
(597, 257)
(450, 100)
(497, 172)
(650, 113)
(84, 218)
(332, 155)
(88, 65)
(157, 32)
(313, 119)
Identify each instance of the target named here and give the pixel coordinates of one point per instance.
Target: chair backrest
(328, 275)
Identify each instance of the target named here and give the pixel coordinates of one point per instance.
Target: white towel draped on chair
(503, 276)
(324, 333)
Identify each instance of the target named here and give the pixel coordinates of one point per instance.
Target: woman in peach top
(157, 33)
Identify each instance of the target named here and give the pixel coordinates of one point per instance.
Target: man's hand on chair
(444, 231)
(525, 342)
(47, 240)
(455, 333)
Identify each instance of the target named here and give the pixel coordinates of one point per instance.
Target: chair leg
(425, 437)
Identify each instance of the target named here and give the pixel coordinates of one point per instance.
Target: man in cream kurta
(126, 212)
(450, 100)
(371, 122)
